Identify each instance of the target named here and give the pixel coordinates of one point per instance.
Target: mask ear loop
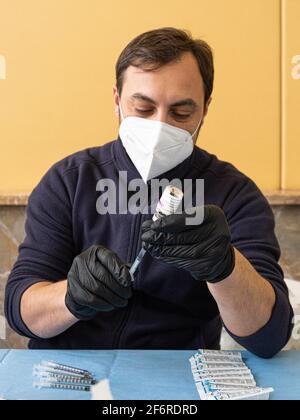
(198, 126)
(121, 112)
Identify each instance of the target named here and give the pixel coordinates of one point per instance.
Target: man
(71, 287)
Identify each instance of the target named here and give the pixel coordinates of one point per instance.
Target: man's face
(173, 94)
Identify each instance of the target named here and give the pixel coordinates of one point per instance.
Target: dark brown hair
(154, 49)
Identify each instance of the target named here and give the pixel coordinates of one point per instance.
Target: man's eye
(144, 111)
(175, 115)
(180, 116)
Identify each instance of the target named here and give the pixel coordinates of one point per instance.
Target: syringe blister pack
(222, 375)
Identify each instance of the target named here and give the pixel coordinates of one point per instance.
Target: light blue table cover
(138, 374)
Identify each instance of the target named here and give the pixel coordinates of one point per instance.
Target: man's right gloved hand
(98, 281)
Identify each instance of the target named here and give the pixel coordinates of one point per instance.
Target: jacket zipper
(134, 251)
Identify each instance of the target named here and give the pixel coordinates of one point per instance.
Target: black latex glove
(98, 281)
(204, 250)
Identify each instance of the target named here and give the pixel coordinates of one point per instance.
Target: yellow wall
(291, 94)
(56, 92)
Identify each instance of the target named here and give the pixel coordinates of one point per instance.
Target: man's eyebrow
(143, 98)
(183, 102)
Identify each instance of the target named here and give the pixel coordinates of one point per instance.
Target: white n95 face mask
(153, 146)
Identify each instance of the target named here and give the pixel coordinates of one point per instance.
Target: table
(138, 374)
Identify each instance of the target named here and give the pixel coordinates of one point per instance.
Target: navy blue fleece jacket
(169, 309)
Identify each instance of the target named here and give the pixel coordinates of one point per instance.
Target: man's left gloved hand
(204, 250)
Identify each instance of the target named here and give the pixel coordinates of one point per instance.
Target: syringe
(168, 204)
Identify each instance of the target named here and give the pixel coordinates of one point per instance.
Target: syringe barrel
(137, 262)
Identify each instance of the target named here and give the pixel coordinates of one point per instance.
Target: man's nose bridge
(162, 115)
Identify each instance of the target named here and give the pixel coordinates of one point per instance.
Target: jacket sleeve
(252, 227)
(47, 251)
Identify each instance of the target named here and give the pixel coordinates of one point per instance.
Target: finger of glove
(200, 270)
(105, 286)
(86, 298)
(171, 229)
(185, 252)
(206, 266)
(214, 248)
(92, 276)
(154, 231)
(115, 266)
(146, 225)
(178, 222)
(90, 272)
(189, 237)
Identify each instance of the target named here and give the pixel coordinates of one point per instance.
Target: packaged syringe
(224, 376)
